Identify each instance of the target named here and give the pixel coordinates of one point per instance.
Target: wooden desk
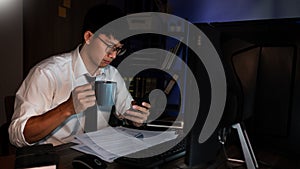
(66, 155)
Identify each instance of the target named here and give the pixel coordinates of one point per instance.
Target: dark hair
(100, 15)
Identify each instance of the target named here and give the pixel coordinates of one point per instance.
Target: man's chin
(103, 65)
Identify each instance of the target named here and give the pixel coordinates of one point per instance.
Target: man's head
(100, 48)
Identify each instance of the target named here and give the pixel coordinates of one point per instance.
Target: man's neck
(92, 69)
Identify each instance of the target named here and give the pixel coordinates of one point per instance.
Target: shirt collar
(79, 68)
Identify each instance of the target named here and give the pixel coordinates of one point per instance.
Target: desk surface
(66, 155)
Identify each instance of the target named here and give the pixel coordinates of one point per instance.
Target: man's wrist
(68, 107)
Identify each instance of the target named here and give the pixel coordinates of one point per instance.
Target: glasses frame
(112, 48)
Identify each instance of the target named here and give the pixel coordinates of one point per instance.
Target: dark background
(34, 30)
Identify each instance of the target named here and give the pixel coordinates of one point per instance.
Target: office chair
(9, 102)
(241, 69)
(6, 147)
(4, 141)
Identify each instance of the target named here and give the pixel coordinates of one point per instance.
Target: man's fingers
(134, 119)
(147, 105)
(84, 87)
(135, 114)
(142, 110)
(83, 97)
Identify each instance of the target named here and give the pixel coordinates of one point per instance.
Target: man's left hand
(138, 114)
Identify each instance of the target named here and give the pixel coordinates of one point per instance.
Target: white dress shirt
(49, 84)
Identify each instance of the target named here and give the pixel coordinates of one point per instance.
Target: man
(52, 102)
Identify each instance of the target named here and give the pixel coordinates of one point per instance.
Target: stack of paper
(110, 143)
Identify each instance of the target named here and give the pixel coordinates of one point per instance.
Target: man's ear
(87, 36)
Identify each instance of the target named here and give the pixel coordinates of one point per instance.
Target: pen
(139, 135)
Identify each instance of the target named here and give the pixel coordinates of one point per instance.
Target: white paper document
(110, 143)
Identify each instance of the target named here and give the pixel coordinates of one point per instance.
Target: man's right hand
(83, 97)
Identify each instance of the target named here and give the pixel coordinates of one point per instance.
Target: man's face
(109, 48)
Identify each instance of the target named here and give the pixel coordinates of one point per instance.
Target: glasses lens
(119, 50)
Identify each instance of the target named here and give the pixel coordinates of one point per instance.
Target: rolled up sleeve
(15, 130)
(32, 99)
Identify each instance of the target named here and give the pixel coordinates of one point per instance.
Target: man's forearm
(38, 127)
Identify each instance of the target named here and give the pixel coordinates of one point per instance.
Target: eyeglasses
(113, 48)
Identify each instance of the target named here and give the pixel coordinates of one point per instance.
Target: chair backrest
(9, 102)
(235, 98)
(245, 64)
(241, 72)
(5, 147)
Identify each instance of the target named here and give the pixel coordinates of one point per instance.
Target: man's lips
(106, 61)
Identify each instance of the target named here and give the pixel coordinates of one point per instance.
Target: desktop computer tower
(201, 154)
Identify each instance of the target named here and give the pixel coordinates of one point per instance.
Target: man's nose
(113, 54)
